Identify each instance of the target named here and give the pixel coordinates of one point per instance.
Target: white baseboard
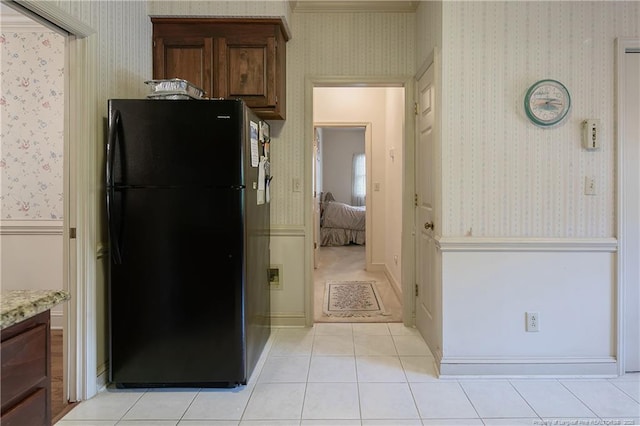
(285, 319)
(471, 368)
(101, 379)
(395, 285)
(376, 267)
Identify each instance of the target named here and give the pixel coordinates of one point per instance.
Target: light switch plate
(589, 185)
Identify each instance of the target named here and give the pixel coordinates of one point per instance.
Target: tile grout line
(469, 399)
(579, 399)
(189, 406)
(132, 405)
(625, 392)
(413, 397)
(259, 373)
(355, 366)
(306, 383)
(524, 399)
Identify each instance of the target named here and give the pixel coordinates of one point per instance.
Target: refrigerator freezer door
(176, 143)
(176, 297)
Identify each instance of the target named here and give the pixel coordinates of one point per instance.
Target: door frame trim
(622, 44)
(80, 205)
(407, 82)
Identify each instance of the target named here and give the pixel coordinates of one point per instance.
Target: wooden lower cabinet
(25, 395)
(230, 58)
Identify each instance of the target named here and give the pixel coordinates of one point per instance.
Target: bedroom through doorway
(354, 180)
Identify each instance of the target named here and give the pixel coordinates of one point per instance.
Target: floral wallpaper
(32, 126)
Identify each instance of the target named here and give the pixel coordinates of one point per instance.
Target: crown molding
(18, 24)
(50, 16)
(14, 21)
(311, 6)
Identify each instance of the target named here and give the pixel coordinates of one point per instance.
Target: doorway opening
(79, 206)
(34, 170)
(357, 173)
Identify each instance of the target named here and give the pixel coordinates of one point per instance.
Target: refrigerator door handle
(112, 139)
(111, 147)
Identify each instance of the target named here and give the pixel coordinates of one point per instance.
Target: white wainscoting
(288, 302)
(489, 285)
(31, 258)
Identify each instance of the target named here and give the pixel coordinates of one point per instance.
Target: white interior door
(631, 239)
(425, 244)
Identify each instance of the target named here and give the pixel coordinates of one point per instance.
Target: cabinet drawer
(24, 362)
(31, 411)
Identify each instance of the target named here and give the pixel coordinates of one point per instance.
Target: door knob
(428, 226)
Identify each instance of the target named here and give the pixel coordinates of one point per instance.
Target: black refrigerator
(187, 197)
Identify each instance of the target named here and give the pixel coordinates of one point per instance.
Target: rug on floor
(352, 299)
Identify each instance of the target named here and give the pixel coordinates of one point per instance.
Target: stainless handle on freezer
(111, 147)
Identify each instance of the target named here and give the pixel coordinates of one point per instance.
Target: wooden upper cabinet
(227, 57)
(187, 58)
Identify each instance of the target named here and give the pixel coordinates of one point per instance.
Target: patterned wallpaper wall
(502, 176)
(428, 29)
(333, 44)
(123, 32)
(123, 37)
(32, 131)
(322, 44)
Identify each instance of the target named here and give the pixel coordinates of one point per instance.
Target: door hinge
(315, 245)
(72, 233)
(417, 292)
(415, 108)
(415, 200)
(154, 43)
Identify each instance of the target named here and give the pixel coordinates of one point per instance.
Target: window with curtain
(359, 180)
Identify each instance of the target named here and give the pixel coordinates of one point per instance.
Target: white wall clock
(547, 103)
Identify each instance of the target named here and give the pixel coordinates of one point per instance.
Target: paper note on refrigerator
(253, 134)
(262, 177)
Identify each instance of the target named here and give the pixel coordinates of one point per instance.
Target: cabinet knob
(428, 226)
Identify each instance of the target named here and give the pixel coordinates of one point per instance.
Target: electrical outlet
(533, 321)
(275, 277)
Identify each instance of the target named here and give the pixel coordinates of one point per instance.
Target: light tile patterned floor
(365, 374)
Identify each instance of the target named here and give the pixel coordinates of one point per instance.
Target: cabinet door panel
(251, 71)
(247, 71)
(24, 362)
(230, 58)
(32, 411)
(186, 58)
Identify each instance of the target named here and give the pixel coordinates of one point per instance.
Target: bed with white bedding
(341, 224)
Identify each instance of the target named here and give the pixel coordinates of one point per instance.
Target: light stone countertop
(19, 305)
